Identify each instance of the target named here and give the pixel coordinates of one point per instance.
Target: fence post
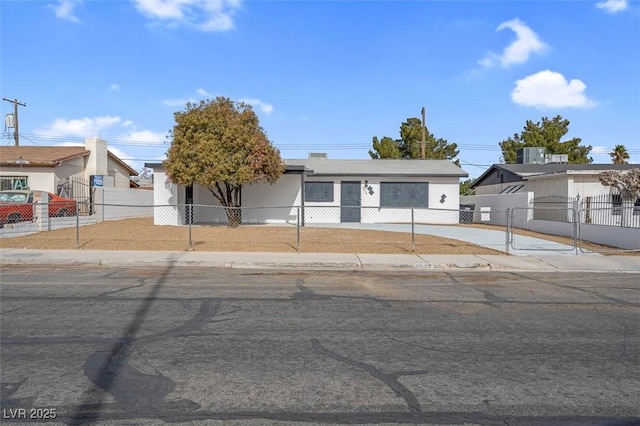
(580, 213)
(190, 220)
(576, 227)
(77, 226)
(298, 229)
(508, 230)
(413, 233)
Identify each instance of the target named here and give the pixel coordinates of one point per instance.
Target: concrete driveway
(521, 245)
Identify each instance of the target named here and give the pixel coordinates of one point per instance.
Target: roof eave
(132, 172)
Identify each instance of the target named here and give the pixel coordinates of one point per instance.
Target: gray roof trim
(380, 175)
(290, 169)
(380, 168)
(154, 166)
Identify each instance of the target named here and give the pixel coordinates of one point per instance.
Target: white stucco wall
(261, 202)
(548, 186)
(70, 169)
(120, 203)
(166, 200)
(586, 185)
(264, 203)
(119, 173)
(38, 178)
(492, 208)
(281, 198)
(614, 236)
(97, 161)
(371, 212)
(625, 238)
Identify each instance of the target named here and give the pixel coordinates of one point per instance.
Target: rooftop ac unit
(559, 158)
(531, 155)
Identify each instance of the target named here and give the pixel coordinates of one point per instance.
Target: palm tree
(619, 155)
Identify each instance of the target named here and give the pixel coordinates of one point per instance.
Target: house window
(318, 191)
(404, 194)
(13, 183)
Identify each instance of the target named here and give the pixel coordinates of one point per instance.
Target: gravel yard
(142, 234)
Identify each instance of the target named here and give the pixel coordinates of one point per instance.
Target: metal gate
(538, 219)
(80, 190)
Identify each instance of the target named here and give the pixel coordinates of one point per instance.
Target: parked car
(18, 206)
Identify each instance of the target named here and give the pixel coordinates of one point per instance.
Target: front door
(350, 202)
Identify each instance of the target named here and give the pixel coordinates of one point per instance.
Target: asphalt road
(216, 346)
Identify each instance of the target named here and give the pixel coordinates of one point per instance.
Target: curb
(319, 261)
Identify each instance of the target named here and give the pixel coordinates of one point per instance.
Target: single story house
(59, 169)
(326, 191)
(545, 180)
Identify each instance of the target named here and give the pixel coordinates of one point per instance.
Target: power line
(283, 146)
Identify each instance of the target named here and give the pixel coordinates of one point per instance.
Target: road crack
(391, 380)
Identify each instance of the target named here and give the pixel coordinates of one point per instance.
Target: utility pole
(16, 134)
(424, 140)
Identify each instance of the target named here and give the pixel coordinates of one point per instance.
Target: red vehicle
(18, 206)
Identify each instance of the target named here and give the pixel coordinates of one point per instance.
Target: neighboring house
(550, 198)
(58, 169)
(331, 191)
(544, 180)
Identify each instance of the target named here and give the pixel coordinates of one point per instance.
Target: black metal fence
(605, 209)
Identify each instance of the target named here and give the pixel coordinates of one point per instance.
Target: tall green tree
(410, 144)
(547, 134)
(385, 148)
(619, 155)
(465, 187)
(220, 145)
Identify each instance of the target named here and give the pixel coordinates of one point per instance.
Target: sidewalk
(320, 261)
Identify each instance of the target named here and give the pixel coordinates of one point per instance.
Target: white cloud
(64, 9)
(256, 103)
(613, 6)
(204, 93)
(80, 127)
(179, 102)
(143, 136)
(550, 89)
(202, 15)
(518, 52)
(114, 87)
(70, 144)
(264, 107)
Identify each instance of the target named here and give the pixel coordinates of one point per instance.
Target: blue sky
(324, 76)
